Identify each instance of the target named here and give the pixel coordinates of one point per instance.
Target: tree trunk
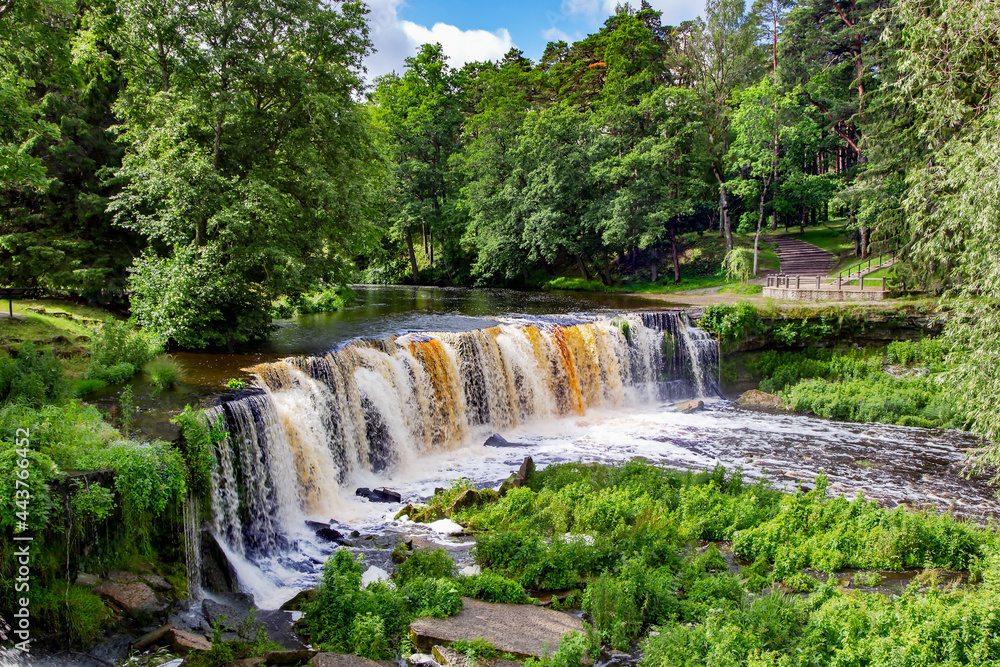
(413, 256)
(724, 222)
(430, 241)
(583, 268)
(760, 225)
(803, 219)
(654, 265)
(865, 233)
(673, 250)
(857, 243)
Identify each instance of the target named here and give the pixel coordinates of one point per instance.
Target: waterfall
(315, 423)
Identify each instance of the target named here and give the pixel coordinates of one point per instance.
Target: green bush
(429, 563)
(200, 438)
(730, 323)
(492, 587)
(112, 374)
(346, 618)
(32, 378)
(164, 371)
(117, 342)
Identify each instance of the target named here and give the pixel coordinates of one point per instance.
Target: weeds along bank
(697, 569)
(92, 497)
(841, 363)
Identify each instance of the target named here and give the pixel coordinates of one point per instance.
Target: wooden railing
(820, 283)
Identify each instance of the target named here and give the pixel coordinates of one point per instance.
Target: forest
(179, 177)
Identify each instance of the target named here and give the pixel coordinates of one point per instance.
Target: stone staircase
(799, 258)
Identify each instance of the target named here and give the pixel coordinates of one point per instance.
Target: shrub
(431, 563)
(117, 342)
(345, 617)
(164, 371)
(32, 378)
(730, 323)
(492, 587)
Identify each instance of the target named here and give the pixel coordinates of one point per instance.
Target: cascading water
(320, 423)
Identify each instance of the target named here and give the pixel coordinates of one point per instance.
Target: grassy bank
(697, 569)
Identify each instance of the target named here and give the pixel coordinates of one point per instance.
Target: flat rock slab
(520, 629)
(338, 660)
(129, 593)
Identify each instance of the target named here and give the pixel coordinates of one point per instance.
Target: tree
(421, 114)
(753, 155)
(953, 202)
(730, 59)
(250, 166)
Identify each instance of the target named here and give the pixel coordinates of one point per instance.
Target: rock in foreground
(520, 629)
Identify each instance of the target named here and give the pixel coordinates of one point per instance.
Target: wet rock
(185, 642)
(129, 593)
(497, 440)
(279, 628)
(449, 657)
(326, 532)
(217, 573)
(522, 630)
(153, 637)
(226, 615)
(301, 599)
(382, 495)
(466, 499)
(338, 660)
(688, 407)
(88, 580)
(520, 478)
(114, 649)
(158, 582)
(289, 657)
(760, 399)
(422, 660)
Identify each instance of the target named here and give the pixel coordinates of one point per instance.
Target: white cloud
(461, 46)
(674, 11)
(556, 35)
(395, 40)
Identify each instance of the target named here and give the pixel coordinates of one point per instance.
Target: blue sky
(486, 30)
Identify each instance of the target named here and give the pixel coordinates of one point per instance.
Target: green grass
(65, 328)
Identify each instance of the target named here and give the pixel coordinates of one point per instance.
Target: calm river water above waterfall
(374, 397)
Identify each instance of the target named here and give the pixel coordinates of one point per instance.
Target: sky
(487, 30)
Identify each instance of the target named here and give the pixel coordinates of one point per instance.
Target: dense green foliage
(903, 383)
(371, 621)
(653, 549)
(123, 514)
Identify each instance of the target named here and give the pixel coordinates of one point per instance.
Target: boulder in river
(382, 495)
(496, 440)
(326, 532)
(449, 657)
(760, 399)
(690, 406)
(523, 630)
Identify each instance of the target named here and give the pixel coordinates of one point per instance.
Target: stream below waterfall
(409, 410)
